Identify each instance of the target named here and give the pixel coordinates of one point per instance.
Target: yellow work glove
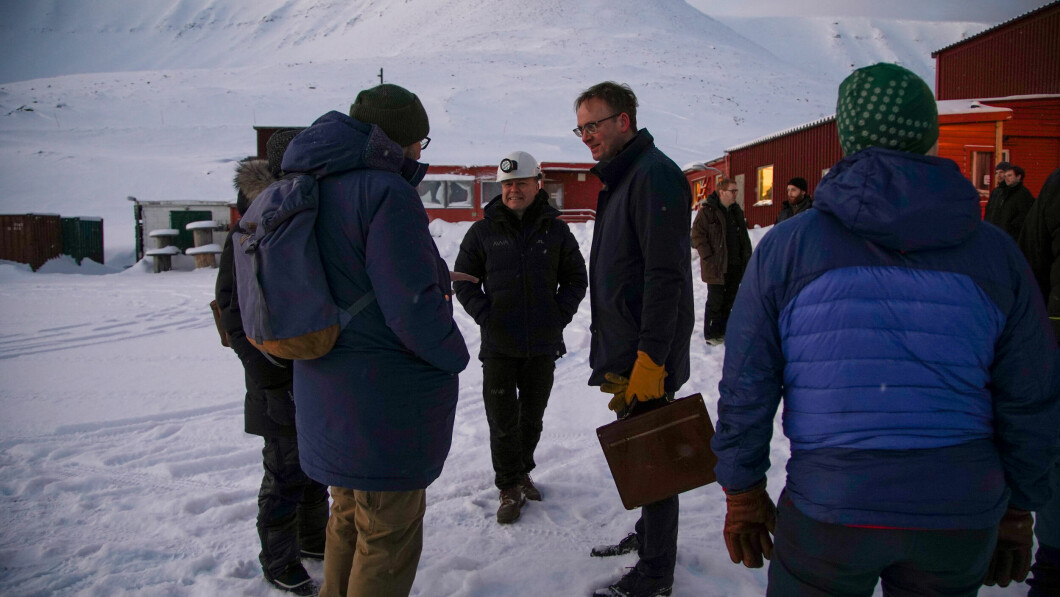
(616, 384)
(646, 380)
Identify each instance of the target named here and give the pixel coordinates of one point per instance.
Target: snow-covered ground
(126, 470)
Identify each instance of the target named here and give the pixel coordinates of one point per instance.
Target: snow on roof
(210, 248)
(201, 225)
(438, 177)
(966, 106)
(164, 232)
(994, 28)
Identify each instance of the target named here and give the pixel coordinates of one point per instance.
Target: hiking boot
(635, 584)
(627, 545)
(294, 579)
(511, 505)
(716, 340)
(526, 484)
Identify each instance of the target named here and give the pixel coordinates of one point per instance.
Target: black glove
(1012, 556)
(279, 406)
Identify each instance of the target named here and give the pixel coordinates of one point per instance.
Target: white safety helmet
(518, 164)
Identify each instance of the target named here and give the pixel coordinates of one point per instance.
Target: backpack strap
(350, 312)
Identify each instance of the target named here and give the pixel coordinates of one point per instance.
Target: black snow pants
(292, 508)
(515, 392)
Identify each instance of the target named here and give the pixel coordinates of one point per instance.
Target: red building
(970, 133)
(1018, 57)
(458, 193)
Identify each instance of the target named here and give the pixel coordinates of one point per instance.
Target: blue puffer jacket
(910, 346)
(376, 413)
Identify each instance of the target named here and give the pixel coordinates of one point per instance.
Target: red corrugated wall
(31, 238)
(1032, 137)
(806, 153)
(1020, 58)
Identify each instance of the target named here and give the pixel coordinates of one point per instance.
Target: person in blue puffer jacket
(375, 415)
(920, 381)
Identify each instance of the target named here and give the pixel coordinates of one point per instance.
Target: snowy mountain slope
(157, 99)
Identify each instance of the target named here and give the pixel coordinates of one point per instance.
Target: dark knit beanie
(799, 183)
(276, 145)
(885, 105)
(394, 109)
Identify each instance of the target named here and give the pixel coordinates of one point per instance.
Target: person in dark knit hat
(292, 508)
(798, 201)
(909, 344)
(376, 413)
(394, 109)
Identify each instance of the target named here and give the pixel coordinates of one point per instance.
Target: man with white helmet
(530, 279)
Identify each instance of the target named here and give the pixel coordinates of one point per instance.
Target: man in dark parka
(640, 279)
(292, 508)
(1009, 207)
(531, 279)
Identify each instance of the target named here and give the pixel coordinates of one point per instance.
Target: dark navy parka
(640, 264)
(376, 413)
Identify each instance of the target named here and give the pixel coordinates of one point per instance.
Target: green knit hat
(885, 105)
(394, 109)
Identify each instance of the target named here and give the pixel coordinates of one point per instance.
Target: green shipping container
(83, 237)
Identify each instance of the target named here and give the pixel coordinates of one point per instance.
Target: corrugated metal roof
(776, 135)
(996, 27)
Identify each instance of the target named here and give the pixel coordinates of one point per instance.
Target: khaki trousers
(374, 540)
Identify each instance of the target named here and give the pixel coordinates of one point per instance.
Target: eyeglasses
(424, 143)
(590, 127)
(728, 190)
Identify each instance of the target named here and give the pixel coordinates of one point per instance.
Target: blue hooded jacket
(911, 349)
(376, 413)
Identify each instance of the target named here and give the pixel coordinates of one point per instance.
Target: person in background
(799, 200)
(719, 234)
(920, 382)
(531, 280)
(292, 508)
(640, 281)
(1009, 207)
(376, 414)
(1040, 242)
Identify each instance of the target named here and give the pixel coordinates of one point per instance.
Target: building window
(445, 193)
(490, 190)
(983, 170)
(764, 188)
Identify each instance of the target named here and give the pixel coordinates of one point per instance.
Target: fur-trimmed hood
(252, 177)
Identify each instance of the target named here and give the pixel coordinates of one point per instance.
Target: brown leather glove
(616, 384)
(646, 379)
(749, 521)
(1012, 556)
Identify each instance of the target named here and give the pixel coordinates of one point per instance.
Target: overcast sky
(983, 11)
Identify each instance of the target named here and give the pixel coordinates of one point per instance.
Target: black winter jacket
(789, 209)
(265, 382)
(1008, 208)
(640, 266)
(1040, 242)
(531, 279)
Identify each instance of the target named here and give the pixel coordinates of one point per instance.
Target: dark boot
(627, 545)
(526, 484)
(294, 579)
(512, 501)
(635, 584)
